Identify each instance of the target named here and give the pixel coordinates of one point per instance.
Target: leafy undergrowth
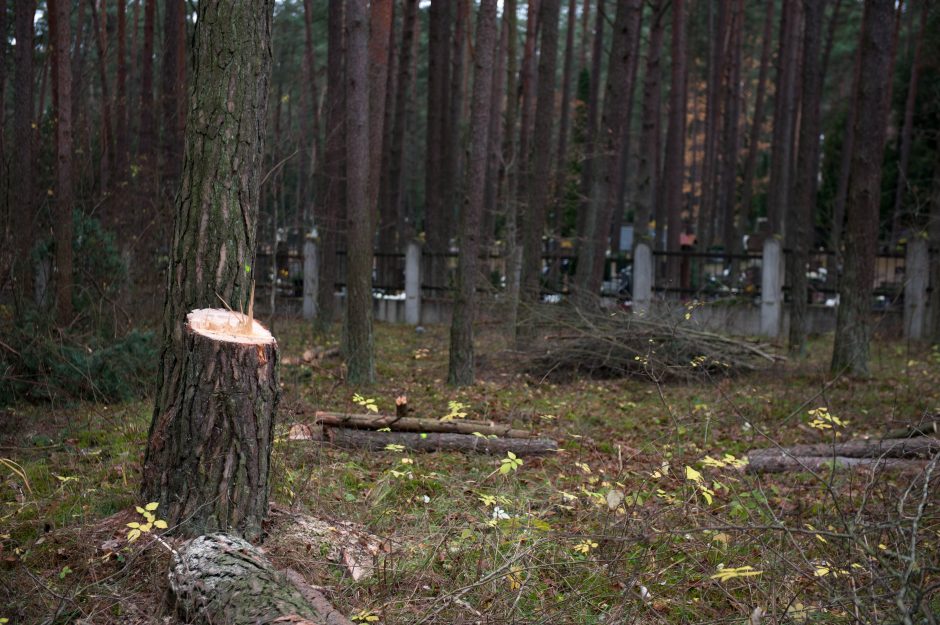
(645, 516)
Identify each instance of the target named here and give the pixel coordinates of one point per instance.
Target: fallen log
(930, 428)
(220, 578)
(437, 441)
(414, 424)
(781, 462)
(921, 447)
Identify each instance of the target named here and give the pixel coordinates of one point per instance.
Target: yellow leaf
(160, 524)
(725, 574)
(692, 474)
(139, 509)
(153, 505)
(135, 525)
(133, 535)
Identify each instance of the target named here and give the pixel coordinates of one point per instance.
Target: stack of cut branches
(615, 343)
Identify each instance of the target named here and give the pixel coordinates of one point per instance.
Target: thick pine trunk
(439, 29)
(210, 453)
(461, 367)
(853, 323)
(211, 259)
(223, 579)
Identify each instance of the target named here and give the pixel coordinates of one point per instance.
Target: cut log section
(412, 424)
(209, 454)
(437, 441)
(221, 578)
(884, 453)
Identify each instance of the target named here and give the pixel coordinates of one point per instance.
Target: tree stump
(209, 453)
(223, 579)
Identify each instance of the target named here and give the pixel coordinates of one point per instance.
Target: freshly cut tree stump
(223, 579)
(209, 454)
(438, 441)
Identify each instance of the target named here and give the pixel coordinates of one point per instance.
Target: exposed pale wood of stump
(438, 441)
(221, 578)
(898, 453)
(414, 424)
(209, 454)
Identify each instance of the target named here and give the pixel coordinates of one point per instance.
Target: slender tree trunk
(527, 113)
(541, 153)
(64, 198)
(512, 259)
(380, 27)
(173, 94)
(732, 124)
(332, 167)
(23, 135)
(845, 166)
(213, 245)
(453, 146)
(626, 167)
(906, 137)
(785, 102)
(147, 130)
(122, 145)
(358, 341)
(674, 162)
(391, 236)
(757, 124)
(853, 323)
(495, 138)
(107, 132)
(802, 212)
(594, 100)
(933, 243)
(461, 371)
(647, 176)
(564, 115)
(3, 85)
(718, 30)
(438, 85)
(310, 143)
(609, 167)
(585, 34)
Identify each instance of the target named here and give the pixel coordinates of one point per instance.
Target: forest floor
(628, 523)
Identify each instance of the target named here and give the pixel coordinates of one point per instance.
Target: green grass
(454, 556)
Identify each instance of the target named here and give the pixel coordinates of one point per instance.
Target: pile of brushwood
(572, 341)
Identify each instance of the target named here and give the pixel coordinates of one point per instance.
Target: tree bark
(718, 32)
(593, 106)
(651, 132)
(919, 447)
(173, 95)
(907, 129)
(783, 463)
(674, 162)
(23, 135)
(728, 177)
(605, 179)
(438, 85)
(802, 210)
(311, 149)
(122, 145)
(853, 323)
(785, 106)
(540, 173)
(461, 361)
(564, 120)
(757, 124)
(332, 168)
(221, 578)
(933, 238)
(358, 342)
(147, 131)
(380, 28)
(100, 23)
(526, 115)
(391, 211)
(453, 148)
(211, 259)
(61, 38)
(495, 163)
(413, 424)
(437, 441)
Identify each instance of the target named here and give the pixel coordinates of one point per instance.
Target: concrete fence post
(413, 283)
(771, 289)
(916, 271)
(311, 279)
(642, 277)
